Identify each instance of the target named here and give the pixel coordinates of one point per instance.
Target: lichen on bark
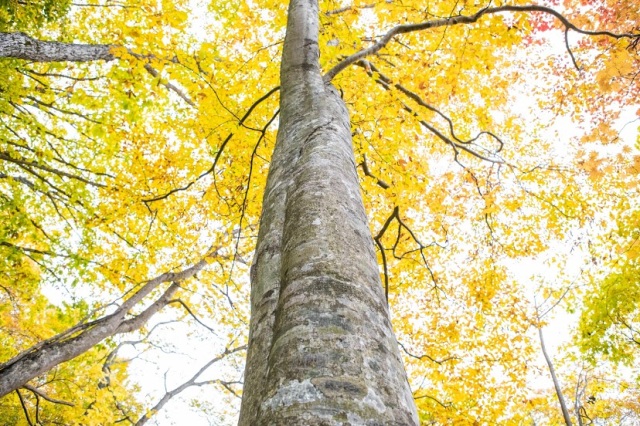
(321, 347)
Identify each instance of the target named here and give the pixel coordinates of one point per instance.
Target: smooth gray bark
(42, 357)
(321, 347)
(556, 382)
(21, 46)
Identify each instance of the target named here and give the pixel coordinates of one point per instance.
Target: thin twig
(43, 395)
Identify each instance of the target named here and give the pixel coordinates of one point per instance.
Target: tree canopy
(498, 155)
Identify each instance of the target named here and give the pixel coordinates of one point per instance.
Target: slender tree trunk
(75, 341)
(321, 348)
(556, 382)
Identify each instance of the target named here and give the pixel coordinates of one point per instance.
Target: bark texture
(321, 348)
(21, 46)
(71, 343)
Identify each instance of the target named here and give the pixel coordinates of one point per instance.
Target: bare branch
(243, 212)
(348, 8)
(378, 240)
(556, 382)
(420, 357)
(196, 319)
(442, 404)
(111, 4)
(46, 397)
(26, 163)
(142, 318)
(37, 103)
(566, 43)
(51, 74)
(421, 247)
(191, 382)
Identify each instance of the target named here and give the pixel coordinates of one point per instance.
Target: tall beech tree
(139, 170)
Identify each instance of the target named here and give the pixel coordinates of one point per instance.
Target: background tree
(135, 184)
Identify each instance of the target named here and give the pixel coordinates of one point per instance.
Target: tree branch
(22, 46)
(43, 395)
(168, 85)
(191, 382)
(78, 339)
(195, 318)
(463, 19)
(420, 357)
(28, 164)
(367, 172)
(454, 141)
(348, 8)
(442, 404)
(556, 383)
(220, 150)
(421, 247)
(24, 408)
(142, 318)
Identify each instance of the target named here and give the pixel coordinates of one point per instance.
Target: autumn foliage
(499, 165)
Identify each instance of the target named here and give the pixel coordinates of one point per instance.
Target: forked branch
(46, 397)
(75, 341)
(454, 141)
(220, 150)
(367, 172)
(191, 382)
(467, 19)
(395, 215)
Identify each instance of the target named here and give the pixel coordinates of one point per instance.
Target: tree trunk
(321, 348)
(556, 382)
